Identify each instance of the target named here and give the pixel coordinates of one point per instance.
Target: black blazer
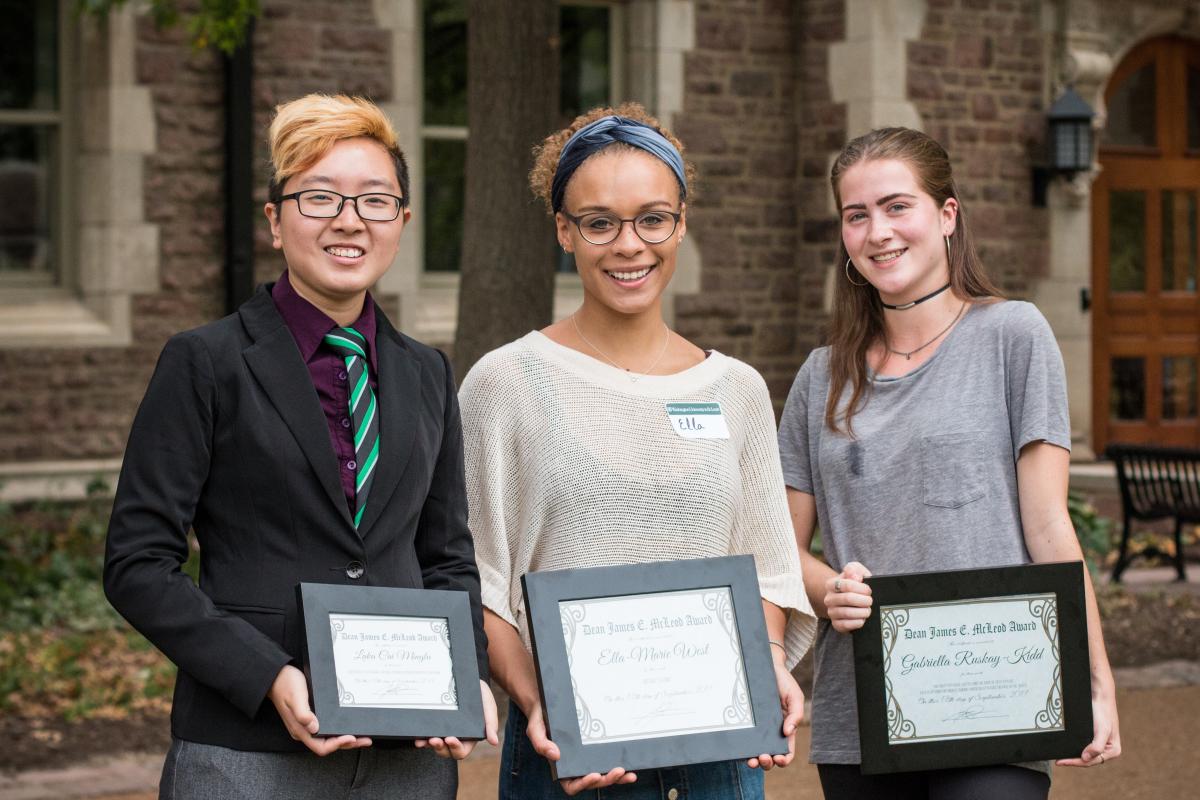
(230, 440)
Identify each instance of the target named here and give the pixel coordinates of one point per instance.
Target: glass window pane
(1179, 241)
(1193, 107)
(1127, 391)
(585, 70)
(1179, 387)
(29, 55)
(28, 162)
(445, 180)
(1127, 241)
(1131, 120)
(444, 37)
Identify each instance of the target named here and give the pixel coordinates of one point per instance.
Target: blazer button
(355, 570)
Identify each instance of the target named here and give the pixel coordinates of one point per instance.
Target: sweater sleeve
(763, 527)
(493, 485)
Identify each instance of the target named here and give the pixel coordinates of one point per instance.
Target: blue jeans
(524, 775)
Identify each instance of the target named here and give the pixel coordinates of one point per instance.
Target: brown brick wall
(976, 78)
(740, 124)
(822, 134)
(79, 402)
(304, 46)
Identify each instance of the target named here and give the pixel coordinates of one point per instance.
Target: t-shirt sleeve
(1036, 381)
(493, 490)
(794, 452)
(764, 528)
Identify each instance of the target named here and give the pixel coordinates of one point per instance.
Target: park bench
(1156, 483)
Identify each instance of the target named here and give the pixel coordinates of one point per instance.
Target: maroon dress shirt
(309, 325)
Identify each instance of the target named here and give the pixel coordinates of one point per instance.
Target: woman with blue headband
(573, 460)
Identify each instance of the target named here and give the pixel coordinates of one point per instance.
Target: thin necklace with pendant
(633, 376)
(908, 356)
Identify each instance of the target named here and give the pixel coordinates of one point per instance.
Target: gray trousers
(206, 772)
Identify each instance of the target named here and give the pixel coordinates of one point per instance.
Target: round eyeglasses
(652, 227)
(325, 203)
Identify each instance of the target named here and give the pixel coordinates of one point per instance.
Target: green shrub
(1093, 530)
(64, 651)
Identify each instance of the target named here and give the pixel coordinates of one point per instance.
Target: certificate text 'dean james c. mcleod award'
(652, 665)
(978, 668)
(971, 667)
(393, 662)
(646, 666)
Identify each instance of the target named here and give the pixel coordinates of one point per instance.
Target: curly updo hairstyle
(546, 154)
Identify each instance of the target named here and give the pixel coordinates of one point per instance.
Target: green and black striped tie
(364, 411)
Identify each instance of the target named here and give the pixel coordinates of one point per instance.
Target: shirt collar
(309, 324)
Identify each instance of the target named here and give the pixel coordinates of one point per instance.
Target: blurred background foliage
(64, 652)
(218, 23)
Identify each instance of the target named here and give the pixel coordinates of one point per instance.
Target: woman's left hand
(458, 749)
(1106, 741)
(791, 699)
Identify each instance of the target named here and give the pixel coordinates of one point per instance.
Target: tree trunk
(508, 251)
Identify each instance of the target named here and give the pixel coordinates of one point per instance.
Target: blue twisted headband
(600, 134)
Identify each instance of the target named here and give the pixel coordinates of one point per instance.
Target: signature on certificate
(973, 712)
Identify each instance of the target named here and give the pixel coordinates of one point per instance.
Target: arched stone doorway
(1146, 250)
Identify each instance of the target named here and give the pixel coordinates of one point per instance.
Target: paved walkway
(1160, 723)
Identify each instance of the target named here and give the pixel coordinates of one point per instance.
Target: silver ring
(1102, 759)
(837, 585)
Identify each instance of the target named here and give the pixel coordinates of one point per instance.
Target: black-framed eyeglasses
(326, 203)
(652, 227)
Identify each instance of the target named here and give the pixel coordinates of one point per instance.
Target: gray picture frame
(882, 752)
(544, 591)
(319, 600)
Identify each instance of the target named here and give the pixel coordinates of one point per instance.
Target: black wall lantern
(1068, 142)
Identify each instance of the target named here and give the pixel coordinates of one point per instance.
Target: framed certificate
(653, 665)
(391, 663)
(973, 667)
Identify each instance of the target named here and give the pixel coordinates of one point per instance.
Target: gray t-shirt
(929, 481)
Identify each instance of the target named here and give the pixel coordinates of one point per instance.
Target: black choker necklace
(918, 301)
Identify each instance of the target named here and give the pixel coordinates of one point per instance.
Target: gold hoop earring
(851, 280)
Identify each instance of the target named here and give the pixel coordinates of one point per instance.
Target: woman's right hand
(539, 737)
(848, 599)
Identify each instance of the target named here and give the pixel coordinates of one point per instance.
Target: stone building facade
(763, 92)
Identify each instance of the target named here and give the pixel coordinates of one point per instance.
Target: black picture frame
(883, 752)
(319, 600)
(545, 590)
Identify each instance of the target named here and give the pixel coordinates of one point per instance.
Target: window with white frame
(75, 244)
(31, 144)
(591, 74)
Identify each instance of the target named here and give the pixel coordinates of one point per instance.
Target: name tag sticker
(698, 420)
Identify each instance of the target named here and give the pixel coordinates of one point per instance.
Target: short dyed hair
(307, 128)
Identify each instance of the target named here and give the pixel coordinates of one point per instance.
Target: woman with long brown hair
(931, 434)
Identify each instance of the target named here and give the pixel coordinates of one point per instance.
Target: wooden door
(1146, 249)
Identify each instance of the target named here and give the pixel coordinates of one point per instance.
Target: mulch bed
(55, 742)
(1150, 626)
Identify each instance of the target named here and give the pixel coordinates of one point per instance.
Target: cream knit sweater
(571, 464)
